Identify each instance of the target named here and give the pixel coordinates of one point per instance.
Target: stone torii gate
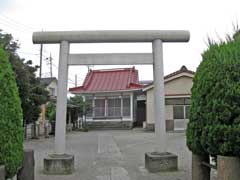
(60, 162)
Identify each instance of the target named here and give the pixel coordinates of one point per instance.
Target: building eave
(102, 92)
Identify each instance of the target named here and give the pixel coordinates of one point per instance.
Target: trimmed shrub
(11, 127)
(214, 126)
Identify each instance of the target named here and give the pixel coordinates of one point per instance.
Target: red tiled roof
(109, 80)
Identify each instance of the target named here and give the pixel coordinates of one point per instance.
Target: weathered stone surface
(150, 127)
(200, 172)
(228, 168)
(169, 126)
(59, 164)
(2, 173)
(28, 164)
(156, 162)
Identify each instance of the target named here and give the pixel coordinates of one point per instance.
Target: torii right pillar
(160, 159)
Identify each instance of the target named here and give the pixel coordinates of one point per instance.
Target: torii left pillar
(60, 162)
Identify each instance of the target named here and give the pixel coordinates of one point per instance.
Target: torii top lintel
(110, 36)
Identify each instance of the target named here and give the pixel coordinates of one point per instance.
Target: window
(181, 112)
(52, 91)
(126, 106)
(174, 101)
(177, 101)
(99, 109)
(114, 107)
(178, 112)
(187, 110)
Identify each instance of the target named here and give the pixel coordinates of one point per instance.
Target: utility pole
(49, 62)
(75, 80)
(40, 71)
(88, 67)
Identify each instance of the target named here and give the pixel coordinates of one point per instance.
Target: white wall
(103, 95)
(53, 84)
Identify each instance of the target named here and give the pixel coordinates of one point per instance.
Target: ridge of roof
(87, 80)
(47, 80)
(111, 70)
(181, 70)
(129, 77)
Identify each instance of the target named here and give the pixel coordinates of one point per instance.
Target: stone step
(109, 125)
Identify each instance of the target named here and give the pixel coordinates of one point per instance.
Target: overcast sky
(203, 18)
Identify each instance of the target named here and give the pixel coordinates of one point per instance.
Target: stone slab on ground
(59, 164)
(160, 162)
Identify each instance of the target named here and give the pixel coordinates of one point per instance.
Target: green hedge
(11, 127)
(214, 126)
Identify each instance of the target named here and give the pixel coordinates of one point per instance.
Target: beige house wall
(150, 109)
(181, 85)
(176, 87)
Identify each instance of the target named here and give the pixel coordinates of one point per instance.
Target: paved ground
(113, 155)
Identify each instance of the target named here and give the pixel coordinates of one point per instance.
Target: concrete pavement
(113, 155)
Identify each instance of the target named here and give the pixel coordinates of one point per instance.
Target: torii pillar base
(161, 162)
(59, 164)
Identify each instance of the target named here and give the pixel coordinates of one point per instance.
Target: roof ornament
(183, 68)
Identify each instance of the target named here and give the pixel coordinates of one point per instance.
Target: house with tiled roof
(177, 100)
(50, 84)
(112, 96)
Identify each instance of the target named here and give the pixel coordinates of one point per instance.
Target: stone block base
(169, 126)
(158, 162)
(59, 164)
(2, 173)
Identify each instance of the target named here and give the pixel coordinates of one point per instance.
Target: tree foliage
(51, 111)
(11, 129)
(81, 107)
(78, 108)
(31, 91)
(214, 126)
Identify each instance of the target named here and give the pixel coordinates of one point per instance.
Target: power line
(16, 22)
(28, 53)
(13, 27)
